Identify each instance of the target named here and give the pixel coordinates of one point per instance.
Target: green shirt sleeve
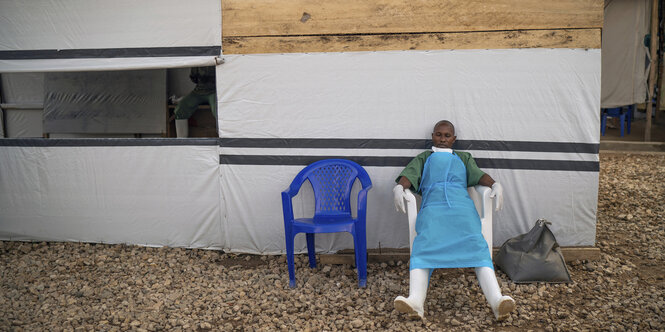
(414, 170)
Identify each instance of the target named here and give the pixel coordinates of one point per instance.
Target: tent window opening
(102, 104)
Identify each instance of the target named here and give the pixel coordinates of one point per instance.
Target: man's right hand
(398, 196)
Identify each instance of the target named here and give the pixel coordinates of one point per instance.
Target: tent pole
(659, 81)
(652, 69)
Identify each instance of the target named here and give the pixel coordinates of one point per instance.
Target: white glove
(497, 194)
(398, 193)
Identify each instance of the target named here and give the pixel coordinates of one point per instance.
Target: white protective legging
(419, 280)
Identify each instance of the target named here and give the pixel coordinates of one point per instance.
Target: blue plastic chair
(331, 180)
(625, 116)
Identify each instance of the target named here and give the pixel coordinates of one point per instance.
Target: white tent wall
(148, 193)
(67, 35)
(624, 55)
(537, 109)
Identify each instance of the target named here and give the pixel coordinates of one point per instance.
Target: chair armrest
(293, 188)
(483, 202)
(362, 202)
(412, 214)
(481, 197)
(288, 194)
(287, 206)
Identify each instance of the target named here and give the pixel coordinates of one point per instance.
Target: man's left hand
(497, 194)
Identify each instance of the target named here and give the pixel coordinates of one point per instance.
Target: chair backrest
(332, 181)
(614, 111)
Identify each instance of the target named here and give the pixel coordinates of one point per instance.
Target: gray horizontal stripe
(337, 143)
(74, 142)
(138, 52)
(537, 164)
(496, 163)
(306, 160)
(527, 146)
(325, 143)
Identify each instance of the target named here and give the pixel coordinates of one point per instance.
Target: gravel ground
(78, 286)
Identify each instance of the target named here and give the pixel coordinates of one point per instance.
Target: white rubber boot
(181, 128)
(501, 306)
(413, 305)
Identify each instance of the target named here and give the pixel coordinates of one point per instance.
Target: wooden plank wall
(286, 26)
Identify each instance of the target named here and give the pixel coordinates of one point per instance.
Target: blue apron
(448, 227)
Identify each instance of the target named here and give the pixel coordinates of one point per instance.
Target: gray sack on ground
(534, 256)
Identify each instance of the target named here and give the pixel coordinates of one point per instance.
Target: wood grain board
(565, 38)
(245, 18)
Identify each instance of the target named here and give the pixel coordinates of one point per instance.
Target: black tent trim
(106, 53)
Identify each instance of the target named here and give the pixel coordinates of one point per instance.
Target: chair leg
(629, 118)
(360, 248)
(311, 250)
(289, 260)
(622, 121)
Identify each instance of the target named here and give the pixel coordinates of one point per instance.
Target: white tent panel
(101, 24)
(77, 35)
(567, 199)
(147, 195)
(518, 94)
(253, 218)
(544, 96)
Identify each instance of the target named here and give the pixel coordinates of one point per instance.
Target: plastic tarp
(24, 123)
(529, 116)
(23, 100)
(79, 35)
(105, 102)
(162, 195)
(22, 104)
(625, 63)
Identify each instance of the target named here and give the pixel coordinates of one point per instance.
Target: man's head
(443, 135)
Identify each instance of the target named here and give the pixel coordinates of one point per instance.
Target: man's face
(443, 136)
